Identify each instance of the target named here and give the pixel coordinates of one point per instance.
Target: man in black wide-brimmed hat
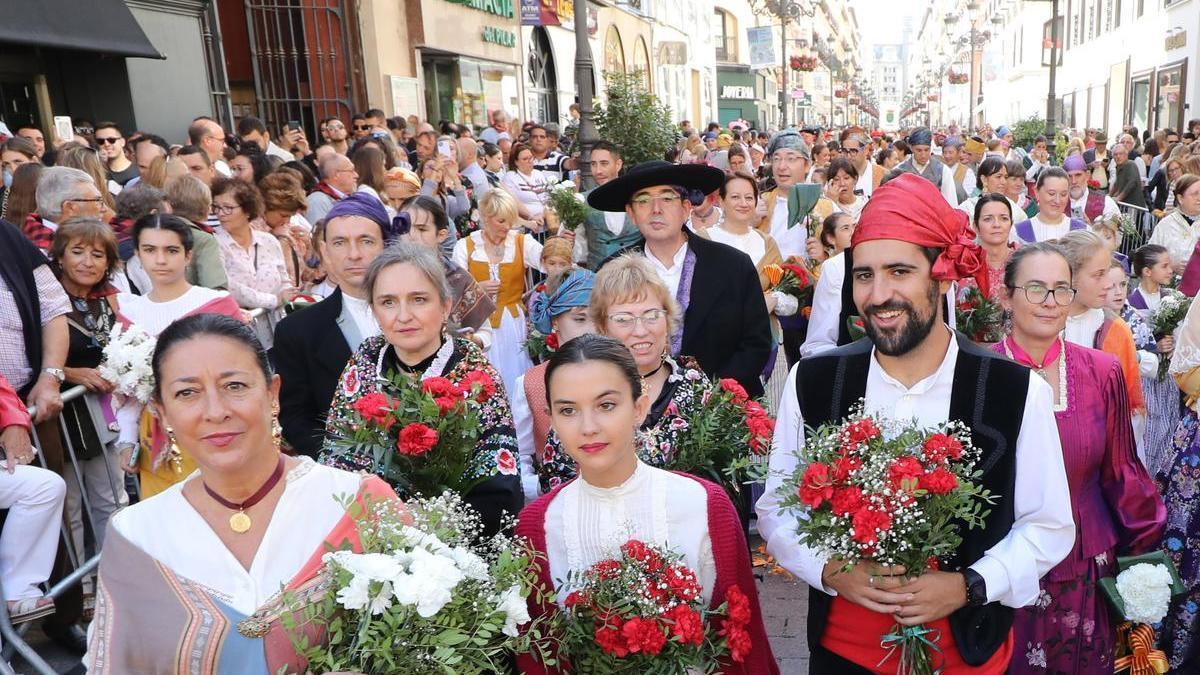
(725, 325)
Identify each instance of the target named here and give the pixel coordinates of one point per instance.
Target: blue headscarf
(574, 291)
(365, 206)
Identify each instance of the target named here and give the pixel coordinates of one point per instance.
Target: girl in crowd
(596, 399)
(411, 299)
(164, 247)
(1053, 199)
(187, 553)
(14, 153)
(836, 231)
(497, 256)
(1116, 505)
(561, 311)
(371, 167)
(254, 264)
(250, 165)
(1016, 189)
(1152, 270)
(991, 178)
(1177, 231)
(843, 177)
(1109, 229)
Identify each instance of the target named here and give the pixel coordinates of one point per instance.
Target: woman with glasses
(1115, 503)
(631, 304)
(254, 263)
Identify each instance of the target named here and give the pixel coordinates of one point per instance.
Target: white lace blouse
(586, 524)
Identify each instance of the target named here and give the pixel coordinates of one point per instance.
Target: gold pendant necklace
(239, 522)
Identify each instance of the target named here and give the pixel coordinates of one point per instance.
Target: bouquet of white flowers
(127, 362)
(1172, 310)
(1141, 594)
(424, 596)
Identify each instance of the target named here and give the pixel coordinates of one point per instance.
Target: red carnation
(606, 569)
(440, 387)
(904, 472)
(643, 635)
(868, 523)
(754, 409)
(610, 639)
(446, 404)
(375, 407)
(576, 598)
(816, 486)
(939, 481)
(844, 466)
(485, 382)
(639, 551)
(846, 501)
(552, 341)
(860, 432)
(738, 610)
(686, 624)
(737, 616)
(739, 392)
(682, 583)
(416, 439)
(942, 447)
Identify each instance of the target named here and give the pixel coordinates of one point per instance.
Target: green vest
(602, 243)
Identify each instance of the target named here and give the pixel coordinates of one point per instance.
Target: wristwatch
(56, 373)
(976, 588)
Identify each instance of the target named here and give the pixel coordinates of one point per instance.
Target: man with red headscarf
(908, 248)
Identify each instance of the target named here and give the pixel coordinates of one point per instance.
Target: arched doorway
(543, 82)
(641, 62)
(614, 51)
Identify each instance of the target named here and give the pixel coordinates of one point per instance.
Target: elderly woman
(222, 543)
(164, 247)
(561, 311)
(1177, 231)
(497, 256)
(631, 303)
(596, 400)
(191, 200)
(1053, 199)
(411, 299)
(283, 205)
(254, 263)
(1115, 503)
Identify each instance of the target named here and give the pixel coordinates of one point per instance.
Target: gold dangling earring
(174, 452)
(276, 427)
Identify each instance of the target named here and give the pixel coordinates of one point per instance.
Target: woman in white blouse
(497, 256)
(1178, 231)
(594, 392)
(527, 184)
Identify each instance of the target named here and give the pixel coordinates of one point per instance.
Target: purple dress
(1117, 509)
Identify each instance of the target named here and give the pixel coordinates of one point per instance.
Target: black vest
(828, 384)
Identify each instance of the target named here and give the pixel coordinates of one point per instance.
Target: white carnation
(516, 611)
(1146, 591)
(127, 362)
(472, 566)
(356, 594)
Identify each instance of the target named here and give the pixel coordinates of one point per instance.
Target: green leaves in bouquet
(979, 318)
(570, 209)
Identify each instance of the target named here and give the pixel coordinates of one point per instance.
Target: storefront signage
(1176, 40)
(762, 47)
(502, 8)
(499, 36)
(672, 54)
(734, 91)
(539, 13)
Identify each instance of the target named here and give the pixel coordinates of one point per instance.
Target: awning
(105, 26)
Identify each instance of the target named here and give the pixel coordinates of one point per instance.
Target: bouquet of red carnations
(722, 434)
(642, 612)
(889, 494)
(792, 278)
(977, 317)
(422, 437)
(540, 347)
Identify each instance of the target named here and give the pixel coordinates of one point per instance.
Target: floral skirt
(1067, 630)
(1180, 487)
(1163, 406)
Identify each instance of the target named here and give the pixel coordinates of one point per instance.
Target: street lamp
(784, 10)
(583, 78)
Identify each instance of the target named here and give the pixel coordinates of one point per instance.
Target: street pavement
(784, 605)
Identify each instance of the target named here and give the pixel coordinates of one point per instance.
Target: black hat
(615, 195)
(810, 129)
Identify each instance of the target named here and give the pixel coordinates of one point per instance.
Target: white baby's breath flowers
(127, 362)
(1146, 591)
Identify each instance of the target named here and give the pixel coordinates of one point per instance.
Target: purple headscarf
(365, 206)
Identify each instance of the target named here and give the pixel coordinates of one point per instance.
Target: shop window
(1168, 101)
(543, 84)
(614, 51)
(1139, 102)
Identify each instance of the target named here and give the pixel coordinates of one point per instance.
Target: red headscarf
(910, 208)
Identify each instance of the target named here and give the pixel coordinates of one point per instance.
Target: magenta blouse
(1113, 499)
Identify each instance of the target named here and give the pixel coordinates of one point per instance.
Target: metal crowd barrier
(12, 637)
(1143, 223)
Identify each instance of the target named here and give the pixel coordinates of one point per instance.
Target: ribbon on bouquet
(917, 644)
(1143, 658)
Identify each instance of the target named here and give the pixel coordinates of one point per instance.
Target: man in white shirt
(205, 133)
(499, 127)
(253, 131)
(906, 252)
(546, 157)
(724, 324)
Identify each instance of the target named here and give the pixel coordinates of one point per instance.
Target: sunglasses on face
(362, 127)
(106, 141)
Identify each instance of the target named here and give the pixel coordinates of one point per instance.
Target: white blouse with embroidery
(586, 524)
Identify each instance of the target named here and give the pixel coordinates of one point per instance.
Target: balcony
(727, 49)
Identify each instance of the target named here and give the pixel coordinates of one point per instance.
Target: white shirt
(306, 512)
(530, 190)
(364, 318)
(866, 179)
(586, 524)
(826, 308)
(1177, 236)
(670, 275)
(523, 422)
(1081, 328)
(222, 168)
(276, 151)
(790, 240)
(1043, 530)
(949, 193)
(1153, 300)
(1079, 205)
(1043, 231)
(750, 242)
(531, 250)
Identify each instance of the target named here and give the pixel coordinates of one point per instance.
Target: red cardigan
(730, 554)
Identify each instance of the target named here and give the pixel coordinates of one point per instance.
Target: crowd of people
(285, 281)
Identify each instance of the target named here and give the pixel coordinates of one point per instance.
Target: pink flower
(506, 462)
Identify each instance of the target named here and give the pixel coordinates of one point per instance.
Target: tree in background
(634, 120)
(1028, 129)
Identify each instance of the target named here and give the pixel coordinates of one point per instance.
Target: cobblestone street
(785, 606)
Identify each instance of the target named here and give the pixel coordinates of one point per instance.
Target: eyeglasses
(664, 201)
(651, 318)
(849, 151)
(224, 210)
(335, 125)
(88, 200)
(107, 140)
(362, 127)
(1037, 294)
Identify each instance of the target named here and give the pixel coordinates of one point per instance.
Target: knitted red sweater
(730, 554)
